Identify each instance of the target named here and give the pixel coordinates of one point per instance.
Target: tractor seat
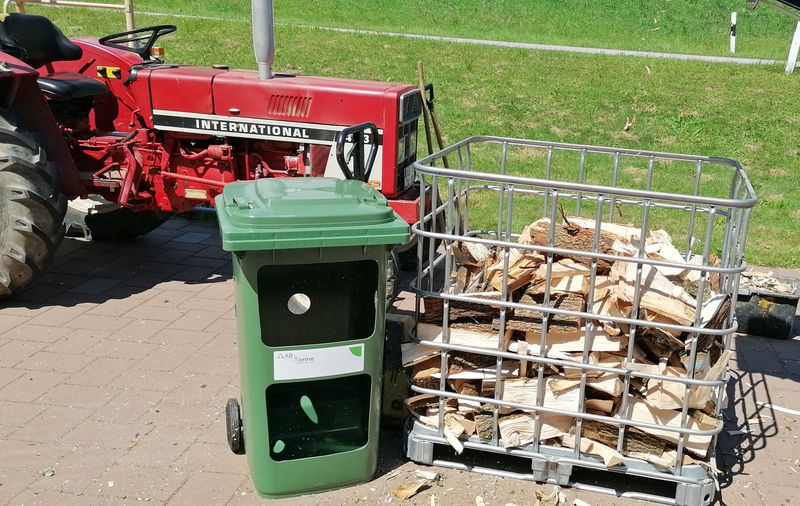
(69, 85)
(38, 42)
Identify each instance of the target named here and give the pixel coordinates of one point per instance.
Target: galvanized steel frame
(453, 203)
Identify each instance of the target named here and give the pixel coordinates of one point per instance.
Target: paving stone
(101, 371)
(138, 483)
(96, 434)
(198, 416)
(127, 406)
(155, 381)
(195, 320)
(143, 312)
(17, 414)
(180, 337)
(8, 322)
(38, 497)
(208, 488)
(206, 364)
(216, 305)
(159, 448)
(196, 388)
(77, 341)
(217, 458)
(52, 423)
(166, 357)
(25, 456)
(30, 386)
(17, 350)
(59, 362)
(170, 298)
(57, 316)
(225, 344)
(39, 333)
(114, 348)
(140, 330)
(92, 321)
(14, 482)
(81, 396)
(114, 307)
(7, 375)
(761, 361)
(95, 286)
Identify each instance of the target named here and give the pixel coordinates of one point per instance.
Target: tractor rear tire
(32, 207)
(100, 220)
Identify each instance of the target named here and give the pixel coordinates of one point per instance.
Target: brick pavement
(116, 365)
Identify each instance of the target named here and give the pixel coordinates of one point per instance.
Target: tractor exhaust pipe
(263, 36)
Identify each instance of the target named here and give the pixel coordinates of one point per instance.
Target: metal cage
(486, 190)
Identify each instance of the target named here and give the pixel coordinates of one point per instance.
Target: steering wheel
(131, 40)
(358, 135)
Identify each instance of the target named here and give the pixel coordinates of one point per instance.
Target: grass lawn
(684, 26)
(748, 113)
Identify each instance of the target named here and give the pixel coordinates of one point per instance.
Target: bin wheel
(233, 420)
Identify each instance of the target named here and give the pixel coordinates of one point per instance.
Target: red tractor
(108, 119)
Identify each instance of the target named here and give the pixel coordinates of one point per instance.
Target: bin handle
(357, 134)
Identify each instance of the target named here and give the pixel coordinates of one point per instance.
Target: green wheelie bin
(309, 267)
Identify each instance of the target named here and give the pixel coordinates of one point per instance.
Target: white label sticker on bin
(318, 362)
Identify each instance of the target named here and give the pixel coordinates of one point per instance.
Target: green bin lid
(292, 213)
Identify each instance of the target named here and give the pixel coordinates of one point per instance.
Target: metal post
(129, 22)
(791, 63)
(733, 32)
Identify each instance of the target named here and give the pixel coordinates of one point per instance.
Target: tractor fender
(20, 93)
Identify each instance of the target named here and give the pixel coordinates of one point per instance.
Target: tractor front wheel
(97, 219)
(31, 207)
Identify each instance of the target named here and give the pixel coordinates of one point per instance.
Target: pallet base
(692, 487)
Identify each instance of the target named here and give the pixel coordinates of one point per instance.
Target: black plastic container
(767, 314)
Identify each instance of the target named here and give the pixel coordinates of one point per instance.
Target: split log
(565, 343)
(475, 253)
(575, 284)
(614, 231)
(667, 394)
(610, 456)
(607, 383)
(522, 266)
(656, 292)
(471, 389)
(484, 426)
(659, 247)
(525, 391)
(414, 353)
(634, 440)
(531, 320)
(604, 406)
(575, 239)
(640, 411)
(595, 358)
(562, 268)
(508, 368)
(520, 429)
(461, 311)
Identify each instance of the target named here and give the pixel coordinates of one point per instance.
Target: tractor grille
(289, 105)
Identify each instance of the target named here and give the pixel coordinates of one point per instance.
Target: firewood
(531, 320)
(525, 391)
(507, 368)
(595, 358)
(414, 353)
(607, 383)
(562, 268)
(656, 292)
(461, 311)
(575, 239)
(522, 266)
(471, 389)
(484, 426)
(640, 411)
(519, 429)
(667, 394)
(598, 341)
(660, 248)
(614, 231)
(575, 284)
(477, 253)
(611, 457)
(634, 440)
(605, 406)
